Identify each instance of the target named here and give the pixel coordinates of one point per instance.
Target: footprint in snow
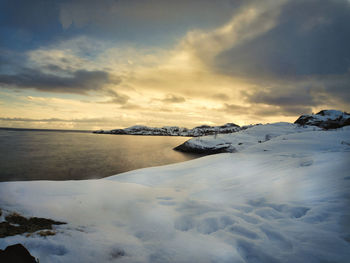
(165, 198)
(306, 162)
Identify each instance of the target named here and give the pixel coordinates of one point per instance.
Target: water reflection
(40, 155)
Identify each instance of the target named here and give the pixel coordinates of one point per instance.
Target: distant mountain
(175, 131)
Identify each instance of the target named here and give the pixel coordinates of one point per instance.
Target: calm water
(42, 155)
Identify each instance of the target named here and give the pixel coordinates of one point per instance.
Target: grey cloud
(130, 106)
(338, 85)
(301, 62)
(116, 98)
(234, 109)
(305, 92)
(171, 98)
(221, 96)
(280, 110)
(155, 15)
(79, 81)
(268, 110)
(273, 97)
(310, 37)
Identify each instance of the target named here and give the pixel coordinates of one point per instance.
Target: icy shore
(284, 200)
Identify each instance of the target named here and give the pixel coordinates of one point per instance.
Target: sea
(27, 154)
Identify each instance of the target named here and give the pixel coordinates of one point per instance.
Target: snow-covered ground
(238, 141)
(286, 199)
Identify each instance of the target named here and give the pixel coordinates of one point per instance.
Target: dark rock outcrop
(326, 119)
(191, 148)
(16, 224)
(16, 254)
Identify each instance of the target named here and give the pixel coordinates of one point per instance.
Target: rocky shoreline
(175, 131)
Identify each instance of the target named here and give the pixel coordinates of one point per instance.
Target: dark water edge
(31, 154)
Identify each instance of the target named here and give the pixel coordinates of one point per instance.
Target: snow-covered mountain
(175, 131)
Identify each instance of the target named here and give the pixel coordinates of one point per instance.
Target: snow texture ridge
(284, 200)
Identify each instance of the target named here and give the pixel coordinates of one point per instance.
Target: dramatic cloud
(174, 62)
(135, 19)
(293, 53)
(80, 81)
(309, 37)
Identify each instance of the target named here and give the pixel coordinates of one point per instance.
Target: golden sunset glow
(86, 81)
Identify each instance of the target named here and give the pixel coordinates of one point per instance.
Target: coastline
(221, 206)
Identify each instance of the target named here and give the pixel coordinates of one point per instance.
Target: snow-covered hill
(175, 131)
(284, 200)
(238, 141)
(326, 119)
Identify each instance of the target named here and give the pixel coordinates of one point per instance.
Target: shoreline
(218, 201)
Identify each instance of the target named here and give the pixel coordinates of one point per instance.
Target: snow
(238, 141)
(283, 200)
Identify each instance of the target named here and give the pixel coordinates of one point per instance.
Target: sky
(115, 63)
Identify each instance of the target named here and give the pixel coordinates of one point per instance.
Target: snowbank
(240, 140)
(284, 200)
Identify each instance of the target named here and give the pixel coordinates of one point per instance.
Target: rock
(326, 119)
(192, 148)
(16, 254)
(16, 224)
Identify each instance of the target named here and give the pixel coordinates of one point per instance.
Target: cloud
(155, 15)
(248, 59)
(171, 98)
(221, 96)
(309, 37)
(280, 97)
(235, 109)
(78, 82)
(291, 53)
(116, 98)
(265, 110)
(131, 106)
